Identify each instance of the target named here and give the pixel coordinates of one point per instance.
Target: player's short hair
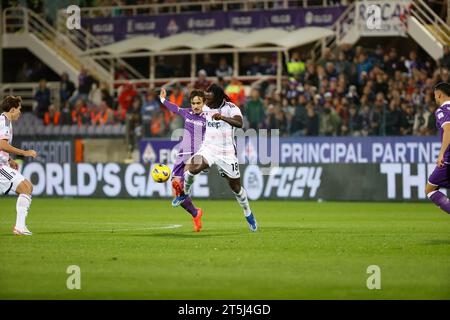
(443, 87)
(11, 102)
(197, 93)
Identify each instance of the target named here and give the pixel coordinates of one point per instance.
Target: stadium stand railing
(27, 90)
(24, 28)
(347, 29)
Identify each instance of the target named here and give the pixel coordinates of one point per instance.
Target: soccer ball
(160, 173)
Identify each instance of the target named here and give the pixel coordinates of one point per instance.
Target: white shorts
(9, 179)
(226, 164)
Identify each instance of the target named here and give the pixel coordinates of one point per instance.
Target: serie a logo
(73, 17)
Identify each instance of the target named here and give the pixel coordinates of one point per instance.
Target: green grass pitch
(303, 250)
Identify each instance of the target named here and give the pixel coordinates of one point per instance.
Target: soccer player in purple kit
(440, 178)
(194, 130)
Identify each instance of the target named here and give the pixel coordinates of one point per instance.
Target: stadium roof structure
(224, 41)
(268, 39)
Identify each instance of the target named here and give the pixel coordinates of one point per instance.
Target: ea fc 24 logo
(73, 17)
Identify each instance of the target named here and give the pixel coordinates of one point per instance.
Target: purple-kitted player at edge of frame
(194, 130)
(440, 178)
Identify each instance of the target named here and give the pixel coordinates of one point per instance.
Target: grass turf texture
(303, 250)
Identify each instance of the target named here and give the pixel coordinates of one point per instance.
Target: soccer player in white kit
(10, 178)
(218, 147)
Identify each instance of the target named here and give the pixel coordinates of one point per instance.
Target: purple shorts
(440, 177)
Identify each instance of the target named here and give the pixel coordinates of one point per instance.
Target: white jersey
(6, 133)
(219, 135)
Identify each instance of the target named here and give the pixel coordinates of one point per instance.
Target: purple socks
(189, 206)
(440, 200)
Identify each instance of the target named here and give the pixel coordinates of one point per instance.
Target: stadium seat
(65, 130)
(90, 130)
(82, 130)
(73, 130)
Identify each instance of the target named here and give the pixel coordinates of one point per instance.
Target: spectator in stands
(312, 124)
(134, 122)
(85, 81)
(393, 119)
(95, 95)
(158, 125)
(235, 91)
(256, 68)
(329, 121)
(52, 116)
(276, 119)
(299, 118)
(295, 66)
(106, 96)
(177, 95)
(271, 67)
(412, 63)
(445, 60)
(407, 119)
(102, 115)
(254, 110)
(65, 114)
(121, 73)
(224, 69)
(363, 67)
(421, 117)
(149, 109)
(342, 65)
(202, 83)
(208, 65)
(125, 98)
(43, 99)
(355, 122)
(67, 88)
(432, 130)
(25, 73)
(80, 115)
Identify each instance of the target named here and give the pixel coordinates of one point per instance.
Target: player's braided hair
(10, 102)
(444, 87)
(219, 95)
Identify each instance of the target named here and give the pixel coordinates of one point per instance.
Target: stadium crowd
(352, 91)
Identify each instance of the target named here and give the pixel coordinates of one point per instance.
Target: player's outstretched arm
(169, 105)
(236, 121)
(445, 144)
(5, 146)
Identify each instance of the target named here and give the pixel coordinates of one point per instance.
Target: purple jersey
(442, 117)
(194, 130)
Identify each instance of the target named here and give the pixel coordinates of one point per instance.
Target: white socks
(188, 181)
(22, 206)
(242, 199)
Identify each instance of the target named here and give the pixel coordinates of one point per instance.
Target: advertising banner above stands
(109, 30)
(382, 18)
(315, 150)
(359, 182)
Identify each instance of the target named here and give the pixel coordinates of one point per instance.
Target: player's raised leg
(194, 166)
(242, 199)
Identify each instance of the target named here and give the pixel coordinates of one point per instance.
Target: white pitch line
(171, 226)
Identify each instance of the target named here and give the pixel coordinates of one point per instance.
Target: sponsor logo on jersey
(214, 124)
(196, 122)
